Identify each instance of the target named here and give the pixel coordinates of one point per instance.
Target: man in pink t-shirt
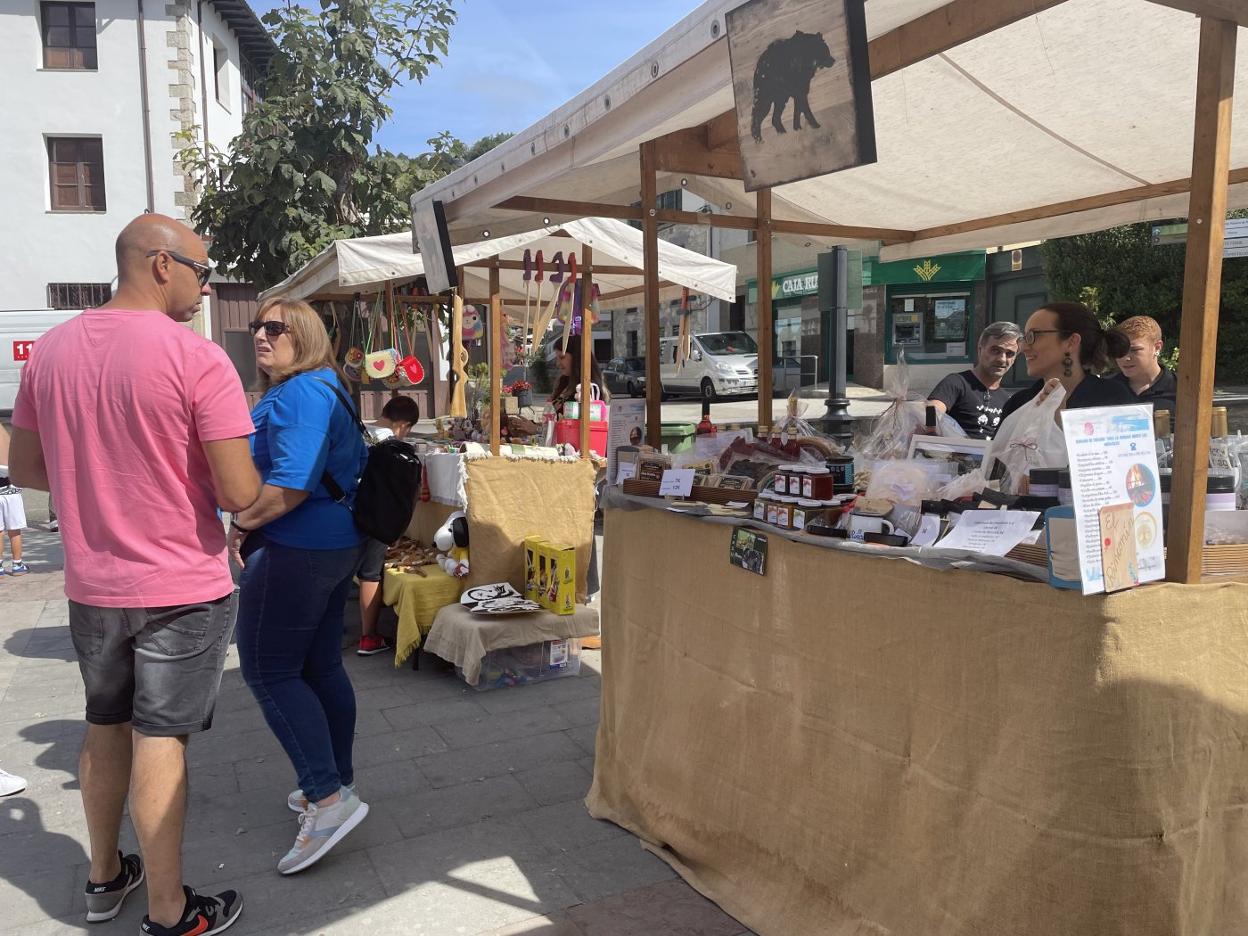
(138, 428)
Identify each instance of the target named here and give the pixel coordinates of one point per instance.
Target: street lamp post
(834, 314)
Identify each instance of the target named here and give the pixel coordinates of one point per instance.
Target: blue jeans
(289, 629)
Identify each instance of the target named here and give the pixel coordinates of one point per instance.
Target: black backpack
(389, 485)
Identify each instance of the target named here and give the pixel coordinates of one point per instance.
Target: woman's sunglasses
(272, 328)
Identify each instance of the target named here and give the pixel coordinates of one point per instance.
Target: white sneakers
(10, 784)
(321, 828)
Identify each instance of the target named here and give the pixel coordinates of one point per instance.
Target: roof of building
(254, 39)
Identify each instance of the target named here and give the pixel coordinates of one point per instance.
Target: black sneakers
(104, 900)
(203, 916)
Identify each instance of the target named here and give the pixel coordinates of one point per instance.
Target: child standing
(12, 521)
(398, 417)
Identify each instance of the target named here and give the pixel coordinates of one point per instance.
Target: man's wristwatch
(241, 529)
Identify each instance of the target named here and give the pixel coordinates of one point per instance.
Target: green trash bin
(678, 437)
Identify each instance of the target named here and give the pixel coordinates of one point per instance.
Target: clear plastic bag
(890, 436)
(1029, 438)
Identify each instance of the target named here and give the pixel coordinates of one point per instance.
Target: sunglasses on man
(202, 270)
(272, 328)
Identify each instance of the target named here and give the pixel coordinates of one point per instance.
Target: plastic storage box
(519, 666)
(678, 437)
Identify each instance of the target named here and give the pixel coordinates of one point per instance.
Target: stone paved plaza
(477, 825)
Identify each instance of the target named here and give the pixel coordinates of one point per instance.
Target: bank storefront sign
(965, 267)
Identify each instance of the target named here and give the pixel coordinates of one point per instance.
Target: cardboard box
(550, 575)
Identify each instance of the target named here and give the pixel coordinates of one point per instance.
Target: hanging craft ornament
(556, 298)
(474, 324)
(381, 365)
(685, 341)
(413, 371)
(354, 361)
(528, 297)
(458, 407)
(531, 338)
(570, 309)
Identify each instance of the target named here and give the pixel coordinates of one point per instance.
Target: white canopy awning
(1083, 109)
(365, 264)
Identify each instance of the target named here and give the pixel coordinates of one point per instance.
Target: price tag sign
(21, 350)
(677, 482)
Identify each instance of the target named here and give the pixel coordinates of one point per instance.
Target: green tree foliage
(301, 173)
(1119, 273)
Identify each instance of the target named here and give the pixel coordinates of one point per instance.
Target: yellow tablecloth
(417, 600)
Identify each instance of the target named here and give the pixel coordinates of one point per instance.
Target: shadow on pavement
(41, 864)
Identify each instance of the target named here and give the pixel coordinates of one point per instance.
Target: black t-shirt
(975, 408)
(1163, 393)
(1092, 391)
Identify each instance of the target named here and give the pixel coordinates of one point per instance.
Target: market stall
(547, 280)
(871, 739)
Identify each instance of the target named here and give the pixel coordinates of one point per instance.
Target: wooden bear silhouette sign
(802, 86)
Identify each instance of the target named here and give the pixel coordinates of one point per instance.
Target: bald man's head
(157, 268)
(150, 232)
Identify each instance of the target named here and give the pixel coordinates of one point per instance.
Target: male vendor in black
(974, 397)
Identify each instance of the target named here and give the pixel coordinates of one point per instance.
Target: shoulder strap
(333, 487)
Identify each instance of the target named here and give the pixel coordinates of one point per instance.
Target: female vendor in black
(1063, 341)
(569, 381)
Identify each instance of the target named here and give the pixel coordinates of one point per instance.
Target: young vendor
(974, 397)
(1140, 369)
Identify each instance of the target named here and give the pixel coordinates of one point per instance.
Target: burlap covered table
(463, 638)
(856, 745)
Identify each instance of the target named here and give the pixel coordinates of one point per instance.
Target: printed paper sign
(625, 471)
(1113, 460)
(929, 529)
(992, 532)
(677, 482)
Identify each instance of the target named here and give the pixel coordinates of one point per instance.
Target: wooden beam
(496, 362)
(650, 253)
(687, 151)
(587, 345)
(765, 318)
(1074, 206)
(1202, 293)
(607, 270)
(1234, 11)
(631, 291)
(803, 228)
(578, 209)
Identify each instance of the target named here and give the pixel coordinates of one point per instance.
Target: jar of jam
(817, 484)
(760, 505)
(784, 512)
(805, 511)
(841, 468)
(797, 476)
(772, 504)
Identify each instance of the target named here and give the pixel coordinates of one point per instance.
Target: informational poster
(626, 423)
(1113, 460)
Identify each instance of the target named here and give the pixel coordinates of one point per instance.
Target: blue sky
(511, 63)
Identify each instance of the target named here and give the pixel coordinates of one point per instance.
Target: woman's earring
(1068, 366)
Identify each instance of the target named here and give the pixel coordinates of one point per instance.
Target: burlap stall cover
(865, 746)
(509, 500)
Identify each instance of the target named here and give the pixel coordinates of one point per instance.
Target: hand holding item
(1049, 386)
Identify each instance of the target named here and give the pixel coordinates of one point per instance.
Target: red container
(569, 431)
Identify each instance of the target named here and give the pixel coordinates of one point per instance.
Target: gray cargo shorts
(158, 668)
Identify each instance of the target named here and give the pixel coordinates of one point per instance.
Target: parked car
(626, 375)
(719, 364)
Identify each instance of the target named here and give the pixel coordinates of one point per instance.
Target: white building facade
(99, 98)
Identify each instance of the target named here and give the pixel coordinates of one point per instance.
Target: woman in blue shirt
(299, 548)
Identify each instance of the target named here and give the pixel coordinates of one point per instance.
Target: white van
(18, 332)
(719, 364)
